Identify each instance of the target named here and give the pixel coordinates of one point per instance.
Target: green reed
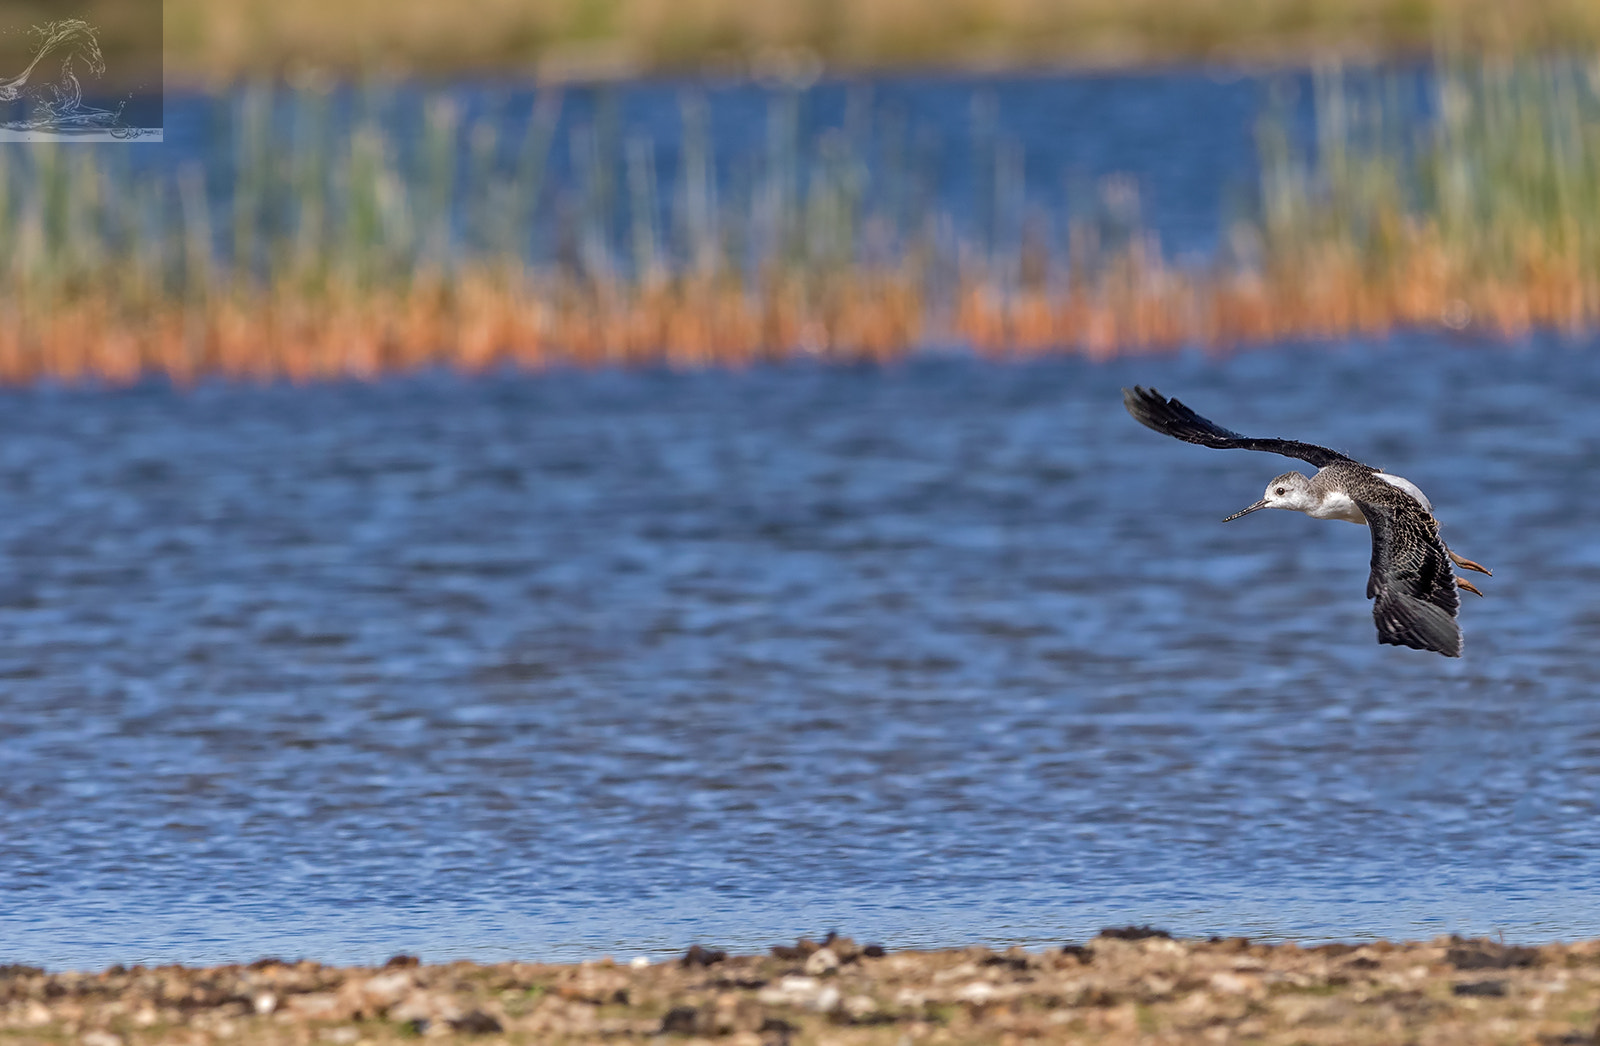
(316, 189)
(1489, 161)
(1464, 187)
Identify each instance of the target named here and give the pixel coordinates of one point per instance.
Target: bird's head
(1290, 491)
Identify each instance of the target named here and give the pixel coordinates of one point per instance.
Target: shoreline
(1126, 985)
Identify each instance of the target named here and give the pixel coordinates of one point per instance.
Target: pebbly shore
(1132, 985)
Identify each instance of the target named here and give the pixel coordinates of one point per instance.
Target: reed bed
(1466, 199)
(333, 242)
(1483, 210)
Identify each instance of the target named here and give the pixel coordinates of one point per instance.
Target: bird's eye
(1279, 492)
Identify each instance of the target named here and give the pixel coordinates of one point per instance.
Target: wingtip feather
(1151, 409)
(1409, 622)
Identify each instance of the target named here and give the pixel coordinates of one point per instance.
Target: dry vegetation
(222, 40)
(1125, 987)
(1468, 199)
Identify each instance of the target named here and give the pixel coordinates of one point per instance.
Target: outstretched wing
(1154, 411)
(1411, 581)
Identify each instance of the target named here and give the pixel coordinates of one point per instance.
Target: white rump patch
(1401, 483)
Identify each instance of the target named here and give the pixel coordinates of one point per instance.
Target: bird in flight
(1411, 584)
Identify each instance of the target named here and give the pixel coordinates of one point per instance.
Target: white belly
(1338, 506)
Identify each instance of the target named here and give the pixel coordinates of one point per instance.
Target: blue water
(1184, 140)
(564, 665)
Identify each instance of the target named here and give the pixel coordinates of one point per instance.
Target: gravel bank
(1125, 986)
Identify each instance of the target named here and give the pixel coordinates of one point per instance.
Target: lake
(562, 665)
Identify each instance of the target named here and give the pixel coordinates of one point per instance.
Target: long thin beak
(1246, 511)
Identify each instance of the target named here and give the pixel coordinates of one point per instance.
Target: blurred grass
(1475, 202)
(221, 40)
(350, 234)
(353, 244)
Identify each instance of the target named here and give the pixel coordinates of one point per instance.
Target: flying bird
(1411, 584)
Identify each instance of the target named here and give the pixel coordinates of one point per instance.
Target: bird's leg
(1467, 564)
(1462, 582)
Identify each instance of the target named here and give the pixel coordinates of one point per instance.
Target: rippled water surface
(566, 665)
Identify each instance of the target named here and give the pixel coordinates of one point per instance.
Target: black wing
(1154, 411)
(1411, 578)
